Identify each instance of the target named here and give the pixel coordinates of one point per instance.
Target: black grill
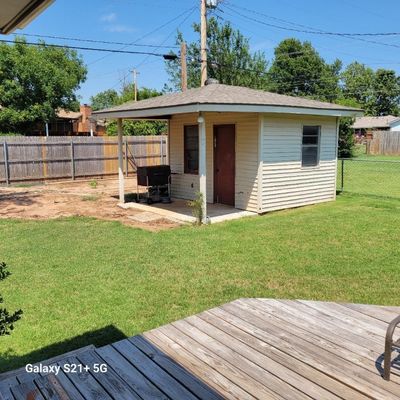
(157, 175)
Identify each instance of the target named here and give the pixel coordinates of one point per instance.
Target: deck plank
(212, 376)
(355, 376)
(84, 382)
(110, 381)
(165, 382)
(133, 378)
(246, 332)
(376, 312)
(196, 386)
(27, 390)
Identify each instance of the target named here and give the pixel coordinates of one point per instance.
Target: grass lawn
(370, 174)
(82, 281)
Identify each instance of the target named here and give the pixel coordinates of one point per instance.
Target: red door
(224, 164)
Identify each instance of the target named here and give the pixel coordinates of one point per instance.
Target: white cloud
(119, 28)
(108, 17)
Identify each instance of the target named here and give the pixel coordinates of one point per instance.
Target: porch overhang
(166, 112)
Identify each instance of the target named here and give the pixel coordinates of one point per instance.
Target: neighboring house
(16, 14)
(71, 123)
(362, 125)
(250, 149)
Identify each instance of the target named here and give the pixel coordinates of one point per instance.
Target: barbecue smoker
(157, 180)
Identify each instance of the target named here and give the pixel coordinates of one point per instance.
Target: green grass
(82, 281)
(370, 174)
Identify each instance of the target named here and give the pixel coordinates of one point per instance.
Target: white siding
(285, 183)
(185, 186)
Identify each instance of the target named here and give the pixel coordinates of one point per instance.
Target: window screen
(310, 148)
(191, 145)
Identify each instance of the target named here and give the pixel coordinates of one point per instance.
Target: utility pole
(203, 41)
(183, 67)
(135, 74)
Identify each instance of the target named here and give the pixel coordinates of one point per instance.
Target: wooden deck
(250, 348)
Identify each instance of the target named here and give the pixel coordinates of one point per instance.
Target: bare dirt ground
(92, 198)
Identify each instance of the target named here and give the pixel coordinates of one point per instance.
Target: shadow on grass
(99, 337)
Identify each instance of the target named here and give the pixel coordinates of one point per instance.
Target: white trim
(337, 155)
(203, 163)
(245, 108)
(260, 162)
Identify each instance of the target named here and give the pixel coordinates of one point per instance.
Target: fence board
(41, 158)
(384, 143)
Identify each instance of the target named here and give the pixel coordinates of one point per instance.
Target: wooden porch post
(121, 183)
(202, 163)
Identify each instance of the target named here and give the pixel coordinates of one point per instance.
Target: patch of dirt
(94, 198)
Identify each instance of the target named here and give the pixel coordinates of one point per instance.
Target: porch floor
(179, 210)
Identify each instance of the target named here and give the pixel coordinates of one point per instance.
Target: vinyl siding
(285, 183)
(185, 186)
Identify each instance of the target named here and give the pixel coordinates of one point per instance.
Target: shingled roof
(374, 122)
(218, 97)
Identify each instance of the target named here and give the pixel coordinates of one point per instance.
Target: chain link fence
(370, 177)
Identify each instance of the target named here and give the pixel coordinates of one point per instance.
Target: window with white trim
(310, 146)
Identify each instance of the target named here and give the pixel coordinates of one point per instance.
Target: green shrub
(197, 208)
(7, 320)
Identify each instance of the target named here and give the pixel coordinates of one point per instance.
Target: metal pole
(203, 45)
(6, 166)
(126, 157)
(342, 183)
(72, 160)
(47, 129)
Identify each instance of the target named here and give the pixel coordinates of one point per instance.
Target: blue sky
(130, 20)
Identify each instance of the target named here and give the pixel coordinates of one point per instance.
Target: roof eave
(26, 15)
(247, 108)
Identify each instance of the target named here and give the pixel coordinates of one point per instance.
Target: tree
(377, 92)
(35, 81)
(105, 99)
(7, 320)
(230, 60)
(109, 98)
(298, 70)
(346, 131)
(386, 89)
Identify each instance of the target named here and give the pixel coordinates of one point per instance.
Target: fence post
(342, 181)
(162, 149)
(72, 159)
(6, 166)
(126, 157)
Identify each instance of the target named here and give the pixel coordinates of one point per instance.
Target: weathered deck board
(246, 349)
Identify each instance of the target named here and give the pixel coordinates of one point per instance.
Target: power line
(86, 48)
(149, 33)
(167, 37)
(315, 32)
(93, 40)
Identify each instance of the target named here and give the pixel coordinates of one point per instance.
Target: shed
(249, 149)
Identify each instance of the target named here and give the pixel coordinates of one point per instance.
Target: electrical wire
(93, 40)
(62, 46)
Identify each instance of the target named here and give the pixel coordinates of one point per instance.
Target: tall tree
(109, 98)
(35, 81)
(298, 70)
(230, 59)
(377, 92)
(386, 89)
(104, 99)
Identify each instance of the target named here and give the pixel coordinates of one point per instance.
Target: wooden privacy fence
(41, 158)
(384, 143)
